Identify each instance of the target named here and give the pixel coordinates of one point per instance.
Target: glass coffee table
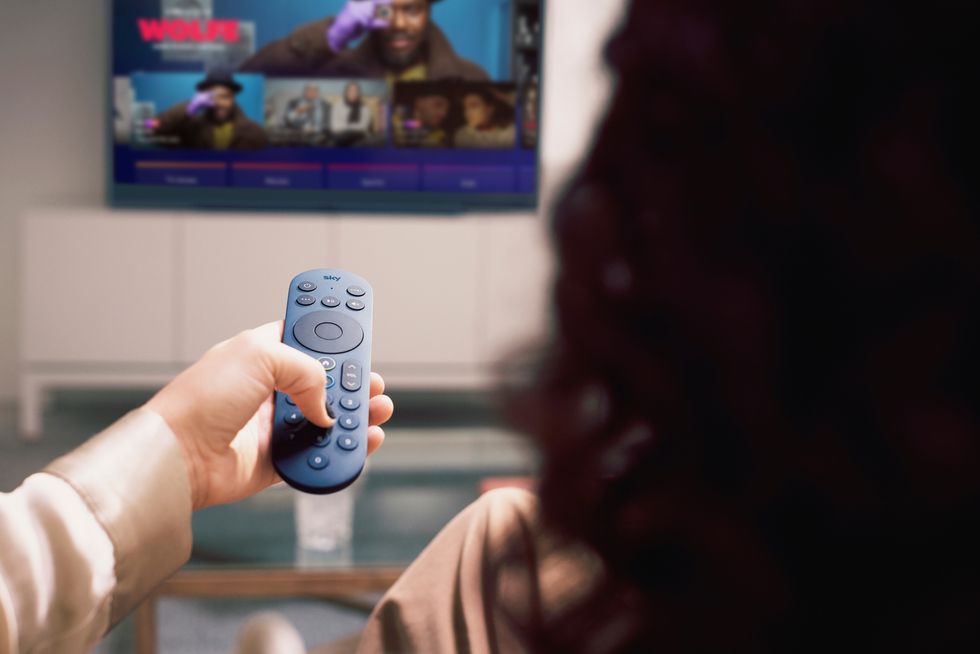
(249, 550)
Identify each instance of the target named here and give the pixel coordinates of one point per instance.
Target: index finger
(377, 384)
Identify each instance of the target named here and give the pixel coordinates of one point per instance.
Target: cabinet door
(517, 277)
(237, 270)
(428, 319)
(97, 286)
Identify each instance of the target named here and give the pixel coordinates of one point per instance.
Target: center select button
(328, 332)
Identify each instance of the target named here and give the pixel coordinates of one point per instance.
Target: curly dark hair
(761, 404)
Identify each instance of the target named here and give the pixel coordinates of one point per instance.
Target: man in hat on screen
(402, 44)
(211, 120)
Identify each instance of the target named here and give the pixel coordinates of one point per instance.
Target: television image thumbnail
(198, 111)
(326, 112)
(122, 109)
(477, 115)
(530, 108)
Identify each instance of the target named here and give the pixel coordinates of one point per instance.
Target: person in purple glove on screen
(400, 43)
(210, 120)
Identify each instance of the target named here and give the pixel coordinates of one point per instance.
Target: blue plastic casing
(329, 316)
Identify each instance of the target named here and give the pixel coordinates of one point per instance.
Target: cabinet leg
(30, 409)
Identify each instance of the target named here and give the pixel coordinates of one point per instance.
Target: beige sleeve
(84, 541)
(488, 576)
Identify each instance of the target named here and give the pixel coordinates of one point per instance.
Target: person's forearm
(82, 543)
(56, 570)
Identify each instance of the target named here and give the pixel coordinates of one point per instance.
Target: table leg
(146, 626)
(31, 406)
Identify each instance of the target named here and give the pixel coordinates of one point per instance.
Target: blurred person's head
(402, 43)
(482, 109)
(761, 403)
(531, 103)
(311, 92)
(432, 110)
(223, 99)
(352, 93)
(223, 88)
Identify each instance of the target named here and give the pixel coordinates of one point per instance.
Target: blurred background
(99, 307)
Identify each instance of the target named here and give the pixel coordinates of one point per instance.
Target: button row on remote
(349, 403)
(347, 421)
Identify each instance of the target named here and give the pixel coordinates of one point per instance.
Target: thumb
(302, 378)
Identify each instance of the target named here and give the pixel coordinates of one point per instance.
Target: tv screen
(407, 105)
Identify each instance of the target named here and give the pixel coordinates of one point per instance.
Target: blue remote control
(328, 316)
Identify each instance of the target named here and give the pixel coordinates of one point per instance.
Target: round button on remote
(307, 287)
(348, 443)
(331, 382)
(329, 331)
(305, 300)
(327, 363)
(289, 401)
(322, 440)
(319, 461)
(305, 331)
(350, 403)
(330, 302)
(349, 422)
(294, 418)
(356, 291)
(355, 305)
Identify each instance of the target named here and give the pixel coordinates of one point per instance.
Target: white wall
(51, 137)
(52, 112)
(577, 84)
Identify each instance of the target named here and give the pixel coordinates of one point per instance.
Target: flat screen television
(380, 105)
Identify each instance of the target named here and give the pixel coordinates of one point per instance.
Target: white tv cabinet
(113, 298)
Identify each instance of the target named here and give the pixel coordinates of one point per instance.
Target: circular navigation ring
(311, 328)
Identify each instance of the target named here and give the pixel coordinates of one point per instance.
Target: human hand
(356, 18)
(220, 409)
(201, 100)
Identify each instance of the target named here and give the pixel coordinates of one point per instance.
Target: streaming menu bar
(340, 176)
